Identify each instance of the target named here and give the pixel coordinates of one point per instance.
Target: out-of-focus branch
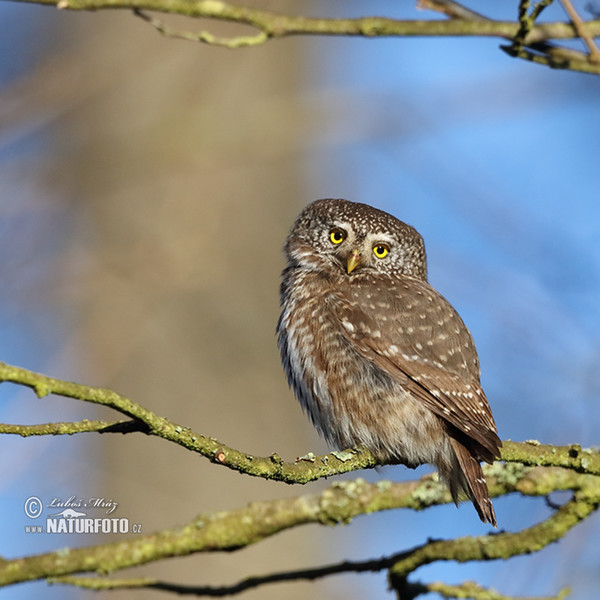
(277, 25)
(339, 504)
(504, 545)
(530, 40)
(231, 530)
(468, 589)
(582, 30)
(474, 591)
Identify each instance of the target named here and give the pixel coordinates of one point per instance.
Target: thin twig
(582, 30)
(203, 36)
(470, 589)
(71, 427)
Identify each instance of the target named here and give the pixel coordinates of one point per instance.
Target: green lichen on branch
(145, 421)
(220, 531)
(503, 545)
(338, 504)
(474, 591)
(582, 460)
(565, 468)
(301, 471)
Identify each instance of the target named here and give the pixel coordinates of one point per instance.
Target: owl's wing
(413, 333)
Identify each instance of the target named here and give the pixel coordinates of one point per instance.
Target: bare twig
(462, 21)
(581, 28)
(203, 36)
(278, 25)
(451, 9)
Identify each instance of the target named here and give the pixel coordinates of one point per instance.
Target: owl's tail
(473, 483)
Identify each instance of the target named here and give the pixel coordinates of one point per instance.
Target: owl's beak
(353, 261)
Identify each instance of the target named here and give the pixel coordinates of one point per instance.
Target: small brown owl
(375, 355)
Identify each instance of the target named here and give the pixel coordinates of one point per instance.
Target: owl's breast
(332, 380)
(302, 346)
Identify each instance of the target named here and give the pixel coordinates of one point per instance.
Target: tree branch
(468, 589)
(338, 504)
(69, 428)
(307, 469)
(502, 545)
(529, 40)
(531, 452)
(568, 467)
(582, 30)
(303, 470)
(231, 530)
(278, 25)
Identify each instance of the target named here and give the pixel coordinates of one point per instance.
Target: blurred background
(146, 188)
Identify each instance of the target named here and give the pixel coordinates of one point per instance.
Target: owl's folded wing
(414, 335)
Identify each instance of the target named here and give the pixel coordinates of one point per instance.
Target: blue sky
(496, 162)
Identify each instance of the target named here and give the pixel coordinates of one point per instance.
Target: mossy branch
(308, 468)
(502, 545)
(303, 470)
(531, 39)
(338, 504)
(564, 468)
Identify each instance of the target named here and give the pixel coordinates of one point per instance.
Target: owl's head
(355, 237)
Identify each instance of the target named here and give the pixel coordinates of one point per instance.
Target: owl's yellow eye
(337, 236)
(381, 250)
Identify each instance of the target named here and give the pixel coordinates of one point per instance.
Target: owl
(375, 355)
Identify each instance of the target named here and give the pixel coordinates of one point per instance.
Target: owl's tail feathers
(473, 483)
